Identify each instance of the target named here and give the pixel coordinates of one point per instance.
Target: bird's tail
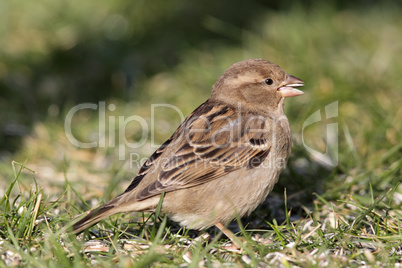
(119, 204)
(94, 216)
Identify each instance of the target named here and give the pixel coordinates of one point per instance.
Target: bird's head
(256, 83)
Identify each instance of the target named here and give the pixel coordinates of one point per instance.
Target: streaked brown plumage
(223, 160)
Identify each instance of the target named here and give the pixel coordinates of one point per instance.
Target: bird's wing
(214, 141)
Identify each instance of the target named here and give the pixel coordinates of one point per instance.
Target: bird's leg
(235, 246)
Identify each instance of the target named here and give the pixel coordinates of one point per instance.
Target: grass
(343, 216)
(343, 232)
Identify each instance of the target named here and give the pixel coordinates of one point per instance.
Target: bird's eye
(269, 81)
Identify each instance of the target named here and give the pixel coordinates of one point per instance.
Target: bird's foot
(236, 242)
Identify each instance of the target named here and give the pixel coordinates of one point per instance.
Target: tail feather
(121, 203)
(93, 217)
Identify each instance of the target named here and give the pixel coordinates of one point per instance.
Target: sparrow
(224, 158)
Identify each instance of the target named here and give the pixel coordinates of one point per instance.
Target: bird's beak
(287, 88)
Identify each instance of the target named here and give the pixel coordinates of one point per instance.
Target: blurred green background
(57, 54)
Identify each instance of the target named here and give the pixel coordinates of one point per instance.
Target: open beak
(287, 88)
